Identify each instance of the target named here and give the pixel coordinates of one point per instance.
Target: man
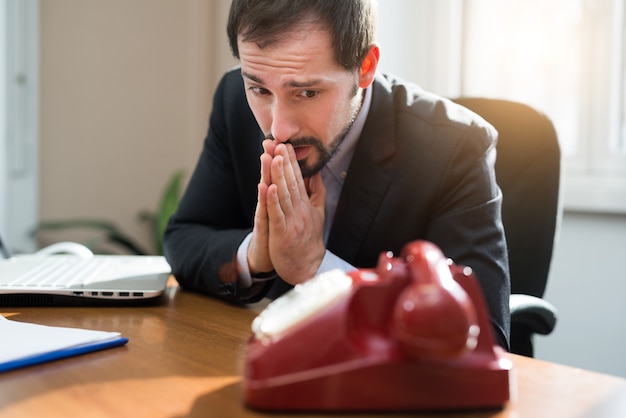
(314, 161)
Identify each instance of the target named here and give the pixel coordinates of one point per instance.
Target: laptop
(68, 273)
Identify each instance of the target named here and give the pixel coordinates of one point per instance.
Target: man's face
(300, 95)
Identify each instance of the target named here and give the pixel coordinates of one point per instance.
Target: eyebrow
(297, 84)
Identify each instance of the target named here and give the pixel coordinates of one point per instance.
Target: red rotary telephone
(412, 334)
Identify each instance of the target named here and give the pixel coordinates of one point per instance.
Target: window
(566, 58)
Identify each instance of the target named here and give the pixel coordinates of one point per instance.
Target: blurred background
(107, 101)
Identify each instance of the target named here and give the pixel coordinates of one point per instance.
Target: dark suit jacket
(423, 169)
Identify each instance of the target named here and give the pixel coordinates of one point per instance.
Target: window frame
(19, 135)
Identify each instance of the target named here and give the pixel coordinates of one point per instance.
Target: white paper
(20, 340)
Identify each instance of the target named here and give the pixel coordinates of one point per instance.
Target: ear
(369, 66)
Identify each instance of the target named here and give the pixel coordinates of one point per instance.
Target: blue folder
(62, 353)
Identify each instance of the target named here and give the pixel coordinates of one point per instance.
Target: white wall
(126, 89)
(410, 32)
(587, 284)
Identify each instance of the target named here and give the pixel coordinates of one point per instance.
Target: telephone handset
(412, 334)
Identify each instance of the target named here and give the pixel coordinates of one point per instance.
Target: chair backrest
(528, 169)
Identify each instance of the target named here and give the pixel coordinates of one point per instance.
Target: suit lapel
(368, 177)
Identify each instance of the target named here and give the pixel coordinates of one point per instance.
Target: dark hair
(352, 23)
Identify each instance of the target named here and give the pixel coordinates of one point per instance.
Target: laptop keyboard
(58, 273)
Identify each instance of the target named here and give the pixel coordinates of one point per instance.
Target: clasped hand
(288, 233)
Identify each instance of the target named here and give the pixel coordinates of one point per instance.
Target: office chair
(528, 172)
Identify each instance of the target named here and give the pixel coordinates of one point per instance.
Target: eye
(259, 90)
(309, 94)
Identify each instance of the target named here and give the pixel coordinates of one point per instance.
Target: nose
(284, 122)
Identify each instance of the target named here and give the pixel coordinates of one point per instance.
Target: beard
(321, 154)
(310, 167)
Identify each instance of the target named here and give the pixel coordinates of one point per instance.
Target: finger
(260, 230)
(260, 215)
(266, 162)
(275, 214)
(295, 167)
(283, 191)
(268, 146)
(258, 250)
(293, 176)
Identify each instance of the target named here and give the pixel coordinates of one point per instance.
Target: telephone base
(383, 387)
(412, 335)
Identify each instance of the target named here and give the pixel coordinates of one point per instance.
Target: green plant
(109, 233)
(167, 206)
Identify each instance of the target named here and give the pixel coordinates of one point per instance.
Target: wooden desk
(184, 359)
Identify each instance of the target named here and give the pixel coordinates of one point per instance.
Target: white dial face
(300, 303)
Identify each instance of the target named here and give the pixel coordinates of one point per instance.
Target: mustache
(309, 140)
(306, 140)
(299, 142)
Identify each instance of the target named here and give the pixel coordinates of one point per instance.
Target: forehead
(303, 49)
